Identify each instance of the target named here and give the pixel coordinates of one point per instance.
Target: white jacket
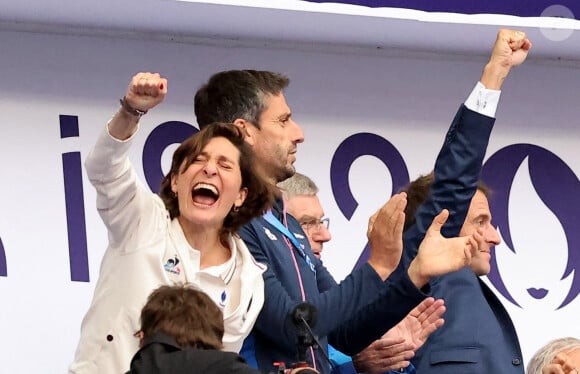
(147, 249)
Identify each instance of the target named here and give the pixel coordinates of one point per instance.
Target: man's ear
(247, 128)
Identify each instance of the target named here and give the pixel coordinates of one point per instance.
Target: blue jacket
(478, 335)
(350, 316)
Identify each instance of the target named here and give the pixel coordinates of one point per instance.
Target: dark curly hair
(233, 94)
(184, 313)
(261, 193)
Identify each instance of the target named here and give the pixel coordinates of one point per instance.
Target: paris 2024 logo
(535, 203)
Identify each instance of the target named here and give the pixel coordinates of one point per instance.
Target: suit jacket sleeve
(457, 171)
(335, 306)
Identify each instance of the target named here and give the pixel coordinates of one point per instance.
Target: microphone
(304, 317)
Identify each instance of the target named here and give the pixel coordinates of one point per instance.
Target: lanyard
(269, 217)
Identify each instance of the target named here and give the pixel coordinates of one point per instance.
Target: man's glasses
(314, 225)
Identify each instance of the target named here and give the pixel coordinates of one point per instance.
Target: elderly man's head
(300, 193)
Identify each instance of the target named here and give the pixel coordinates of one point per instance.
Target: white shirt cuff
(483, 100)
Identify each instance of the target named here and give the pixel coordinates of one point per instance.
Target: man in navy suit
(478, 335)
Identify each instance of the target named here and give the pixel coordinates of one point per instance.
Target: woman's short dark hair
(261, 192)
(184, 313)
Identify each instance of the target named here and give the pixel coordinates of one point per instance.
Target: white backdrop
(408, 100)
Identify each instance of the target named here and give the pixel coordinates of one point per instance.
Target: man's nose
(323, 235)
(491, 235)
(297, 133)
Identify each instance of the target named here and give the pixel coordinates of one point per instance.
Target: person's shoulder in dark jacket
(161, 355)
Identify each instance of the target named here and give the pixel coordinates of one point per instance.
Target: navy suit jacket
(478, 335)
(351, 315)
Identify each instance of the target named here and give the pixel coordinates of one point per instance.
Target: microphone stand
(302, 316)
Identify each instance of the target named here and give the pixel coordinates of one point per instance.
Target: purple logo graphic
(160, 138)
(75, 203)
(558, 188)
(3, 267)
(353, 147)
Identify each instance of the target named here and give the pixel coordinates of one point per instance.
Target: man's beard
(285, 173)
